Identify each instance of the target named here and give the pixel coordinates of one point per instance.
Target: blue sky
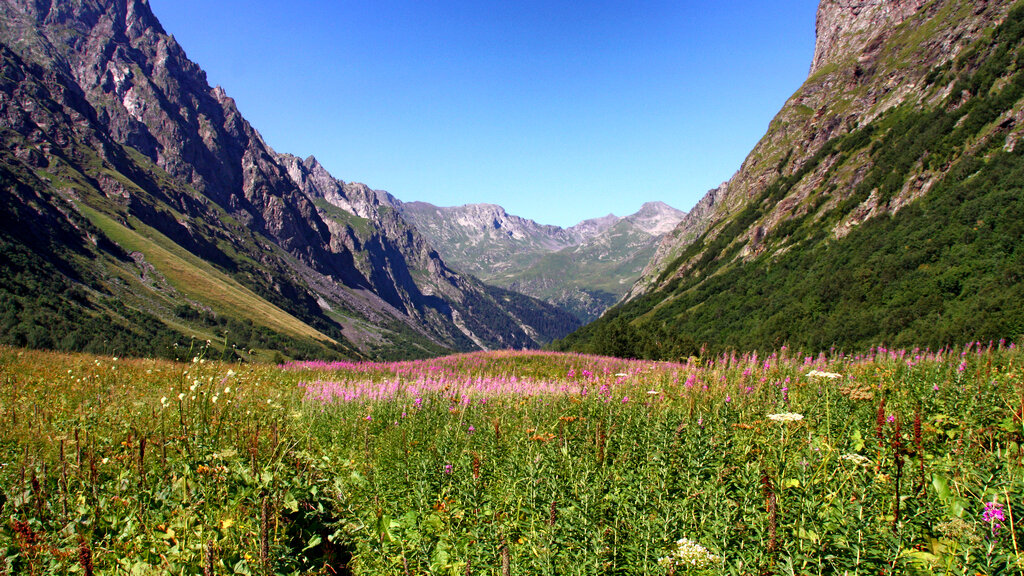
(557, 110)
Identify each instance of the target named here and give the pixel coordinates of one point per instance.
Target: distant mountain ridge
(584, 268)
(140, 208)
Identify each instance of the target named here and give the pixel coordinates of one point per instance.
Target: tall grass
(895, 462)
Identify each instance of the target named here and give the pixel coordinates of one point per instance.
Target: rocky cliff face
(151, 97)
(854, 28)
(907, 102)
(871, 56)
(110, 119)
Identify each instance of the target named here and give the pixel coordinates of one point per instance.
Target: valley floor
(889, 462)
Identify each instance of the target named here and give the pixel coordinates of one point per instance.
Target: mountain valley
(584, 269)
(141, 209)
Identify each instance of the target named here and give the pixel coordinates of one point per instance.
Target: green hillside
(944, 268)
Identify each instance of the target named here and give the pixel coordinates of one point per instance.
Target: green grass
(199, 280)
(513, 463)
(359, 224)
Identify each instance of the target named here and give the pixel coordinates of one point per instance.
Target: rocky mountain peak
(848, 28)
(656, 218)
(130, 18)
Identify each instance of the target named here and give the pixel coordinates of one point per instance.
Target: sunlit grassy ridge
(514, 463)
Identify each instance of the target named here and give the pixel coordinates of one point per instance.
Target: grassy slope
(945, 268)
(199, 280)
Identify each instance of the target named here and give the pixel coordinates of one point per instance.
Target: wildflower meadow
(502, 463)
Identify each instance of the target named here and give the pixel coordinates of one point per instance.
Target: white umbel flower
(689, 553)
(820, 374)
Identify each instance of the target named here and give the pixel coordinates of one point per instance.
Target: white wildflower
(688, 553)
(856, 459)
(819, 374)
(181, 396)
(786, 417)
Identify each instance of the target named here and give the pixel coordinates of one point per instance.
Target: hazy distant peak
(656, 218)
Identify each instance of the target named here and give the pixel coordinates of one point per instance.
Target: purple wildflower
(994, 515)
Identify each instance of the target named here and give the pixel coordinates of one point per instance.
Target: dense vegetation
(946, 268)
(895, 462)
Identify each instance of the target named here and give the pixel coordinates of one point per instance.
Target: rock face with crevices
(850, 27)
(115, 144)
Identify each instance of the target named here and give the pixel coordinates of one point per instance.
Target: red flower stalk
(897, 449)
(880, 423)
(208, 560)
(85, 558)
(265, 532)
(771, 506)
(506, 560)
(919, 448)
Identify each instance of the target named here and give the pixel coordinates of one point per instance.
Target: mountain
(882, 206)
(141, 209)
(584, 269)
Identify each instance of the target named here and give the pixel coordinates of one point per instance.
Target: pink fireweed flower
(994, 515)
(448, 469)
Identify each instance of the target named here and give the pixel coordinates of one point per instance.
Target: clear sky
(558, 110)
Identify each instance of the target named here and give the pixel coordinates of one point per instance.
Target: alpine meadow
(217, 358)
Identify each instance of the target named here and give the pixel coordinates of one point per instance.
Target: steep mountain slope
(140, 208)
(883, 206)
(584, 269)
